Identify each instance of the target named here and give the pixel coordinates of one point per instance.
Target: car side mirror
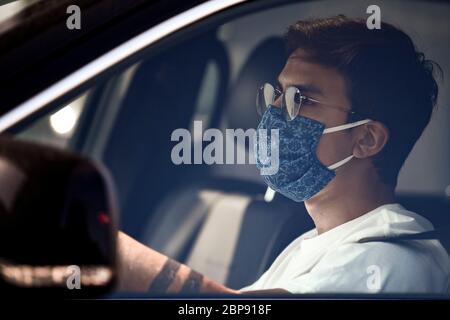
(57, 222)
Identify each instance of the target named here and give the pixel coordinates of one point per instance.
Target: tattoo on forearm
(169, 273)
(165, 277)
(193, 283)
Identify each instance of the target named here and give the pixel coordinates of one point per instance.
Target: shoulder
(414, 266)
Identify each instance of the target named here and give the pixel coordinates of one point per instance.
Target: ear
(369, 139)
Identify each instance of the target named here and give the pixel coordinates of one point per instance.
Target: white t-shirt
(334, 261)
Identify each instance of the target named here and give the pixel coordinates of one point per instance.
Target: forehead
(299, 70)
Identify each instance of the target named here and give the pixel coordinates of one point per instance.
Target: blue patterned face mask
(300, 174)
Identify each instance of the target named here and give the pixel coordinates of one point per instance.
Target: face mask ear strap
(340, 163)
(346, 126)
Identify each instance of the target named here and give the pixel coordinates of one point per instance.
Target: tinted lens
(264, 98)
(292, 102)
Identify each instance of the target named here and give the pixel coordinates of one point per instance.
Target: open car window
(216, 214)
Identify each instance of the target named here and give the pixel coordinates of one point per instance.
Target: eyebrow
(305, 88)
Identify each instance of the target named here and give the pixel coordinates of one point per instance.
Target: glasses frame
(277, 93)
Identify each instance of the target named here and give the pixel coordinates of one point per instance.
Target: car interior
(219, 219)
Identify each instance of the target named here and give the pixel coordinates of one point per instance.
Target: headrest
(262, 65)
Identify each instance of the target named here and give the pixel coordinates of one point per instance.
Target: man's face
(327, 86)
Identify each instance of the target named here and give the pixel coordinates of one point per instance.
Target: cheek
(329, 117)
(333, 147)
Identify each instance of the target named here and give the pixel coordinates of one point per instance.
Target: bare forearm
(145, 270)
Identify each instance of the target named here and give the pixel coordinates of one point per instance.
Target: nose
(277, 102)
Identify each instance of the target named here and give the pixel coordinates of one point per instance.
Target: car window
(206, 76)
(57, 128)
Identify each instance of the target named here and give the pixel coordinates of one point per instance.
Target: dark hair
(388, 80)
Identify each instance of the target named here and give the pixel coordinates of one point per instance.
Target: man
(349, 106)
